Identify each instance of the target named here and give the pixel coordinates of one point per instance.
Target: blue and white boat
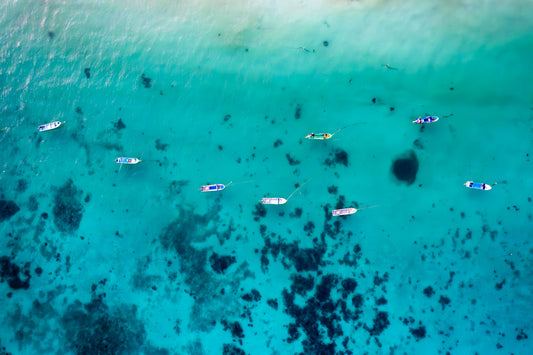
(214, 187)
(49, 126)
(477, 185)
(427, 119)
(126, 160)
(273, 201)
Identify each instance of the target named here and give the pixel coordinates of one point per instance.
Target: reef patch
(11, 273)
(68, 209)
(7, 209)
(405, 167)
(146, 81)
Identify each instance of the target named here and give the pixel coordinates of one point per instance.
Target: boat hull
(343, 211)
(273, 201)
(126, 160)
(318, 136)
(49, 126)
(427, 119)
(214, 187)
(478, 185)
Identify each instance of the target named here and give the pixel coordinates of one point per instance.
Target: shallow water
(213, 92)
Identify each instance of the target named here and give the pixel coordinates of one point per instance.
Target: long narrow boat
(427, 119)
(280, 200)
(214, 187)
(477, 185)
(319, 136)
(125, 160)
(343, 211)
(49, 126)
(273, 201)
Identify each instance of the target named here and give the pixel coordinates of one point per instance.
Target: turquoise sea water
(101, 259)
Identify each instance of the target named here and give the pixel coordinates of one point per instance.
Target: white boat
(319, 136)
(280, 200)
(125, 160)
(49, 126)
(427, 119)
(343, 211)
(214, 187)
(477, 185)
(273, 201)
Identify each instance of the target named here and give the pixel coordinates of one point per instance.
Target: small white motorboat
(478, 185)
(280, 200)
(273, 201)
(214, 187)
(125, 160)
(343, 211)
(427, 119)
(49, 126)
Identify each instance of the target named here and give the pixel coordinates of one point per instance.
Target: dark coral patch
(349, 284)
(298, 112)
(297, 213)
(357, 301)
(219, 263)
(444, 301)
(235, 328)
(292, 161)
(309, 227)
(381, 301)
(405, 167)
(301, 285)
(22, 185)
(522, 335)
(7, 209)
(230, 349)
(428, 291)
(333, 189)
(339, 157)
(418, 333)
(260, 211)
(418, 144)
(12, 273)
(87, 72)
(304, 259)
(160, 146)
(119, 124)
(93, 328)
(273, 303)
(252, 296)
(68, 209)
(146, 81)
(381, 322)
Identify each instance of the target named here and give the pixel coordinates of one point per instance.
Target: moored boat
(477, 185)
(213, 187)
(273, 201)
(49, 126)
(343, 211)
(427, 119)
(126, 160)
